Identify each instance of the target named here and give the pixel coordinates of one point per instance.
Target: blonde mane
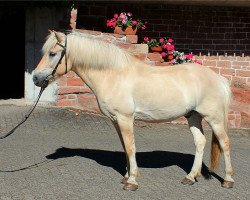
(92, 52)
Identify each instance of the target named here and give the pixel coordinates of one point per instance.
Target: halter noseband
(62, 54)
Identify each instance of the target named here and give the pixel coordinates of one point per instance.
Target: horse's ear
(59, 36)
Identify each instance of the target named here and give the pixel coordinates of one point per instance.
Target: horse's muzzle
(41, 79)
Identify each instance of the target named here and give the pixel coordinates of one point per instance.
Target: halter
(62, 54)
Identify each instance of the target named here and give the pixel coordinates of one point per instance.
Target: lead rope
(44, 85)
(28, 114)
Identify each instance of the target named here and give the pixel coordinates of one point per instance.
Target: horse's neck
(96, 79)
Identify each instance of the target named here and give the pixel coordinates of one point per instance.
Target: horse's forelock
(50, 43)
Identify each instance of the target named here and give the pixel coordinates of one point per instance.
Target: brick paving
(58, 154)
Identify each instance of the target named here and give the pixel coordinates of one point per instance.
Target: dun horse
(128, 89)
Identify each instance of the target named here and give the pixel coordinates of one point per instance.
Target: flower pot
(128, 31)
(170, 57)
(156, 48)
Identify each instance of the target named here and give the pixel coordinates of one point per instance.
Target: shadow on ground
(117, 160)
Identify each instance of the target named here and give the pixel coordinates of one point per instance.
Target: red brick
(59, 97)
(69, 90)
(211, 57)
(224, 64)
(75, 81)
(66, 102)
(71, 74)
(71, 96)
(230, 72)
(209, 63)
(215, 69)
(141, 56)
(238, 58)
(88, 102)
(227, 58)
(243, 73)
(240, 63)
(239, 81)
(85, 90)
(154, 57)
(62, 81)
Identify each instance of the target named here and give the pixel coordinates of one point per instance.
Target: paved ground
(58, 154)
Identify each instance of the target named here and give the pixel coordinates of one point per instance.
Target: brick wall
(73, 92)
(206, 29)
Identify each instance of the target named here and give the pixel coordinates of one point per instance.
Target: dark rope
(28, 114)
(44, 85)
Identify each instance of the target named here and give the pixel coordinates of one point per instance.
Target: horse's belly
(158, 115)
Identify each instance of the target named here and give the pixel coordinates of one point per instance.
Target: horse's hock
(72, 92)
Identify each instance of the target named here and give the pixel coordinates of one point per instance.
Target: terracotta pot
(128, 31)
(156, 48)
(170, 57)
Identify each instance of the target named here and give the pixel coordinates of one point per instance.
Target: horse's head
(54, 61)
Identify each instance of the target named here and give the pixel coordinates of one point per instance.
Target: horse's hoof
(227, 184)
(130, 187)
(124, 180)
(187, 181)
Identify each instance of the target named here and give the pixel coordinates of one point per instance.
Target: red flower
(134, 22)
(163, 54)
(170, 40)
(146, 39)
(161, 40)
(190, 56)
(115, 16)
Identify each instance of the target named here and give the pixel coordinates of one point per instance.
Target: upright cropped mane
(91, 51)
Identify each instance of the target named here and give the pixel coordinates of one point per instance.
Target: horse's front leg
(127, 136)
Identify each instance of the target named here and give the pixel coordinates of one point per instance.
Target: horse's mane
(90, 51)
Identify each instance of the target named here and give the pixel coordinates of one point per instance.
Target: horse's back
(168, 93)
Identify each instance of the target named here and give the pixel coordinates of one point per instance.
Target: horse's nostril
(35, 79)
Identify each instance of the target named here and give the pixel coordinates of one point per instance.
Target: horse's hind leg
(221, 135)
(127, 134)
(195, 126)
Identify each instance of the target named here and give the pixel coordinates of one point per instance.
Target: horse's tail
(215, 146)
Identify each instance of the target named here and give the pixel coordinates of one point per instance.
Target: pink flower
(129, 14)
(146, 39)
(165, 46)
(134, 22)
(170, 40)
(173, 61)
(189, 56)
(163, 54)
(161, 40)
(124, 21)
(115, 16)
(143, 27)
(198, 62)
(171, 47)
(170, 52)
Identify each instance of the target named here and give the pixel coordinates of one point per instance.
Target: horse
(128, 89)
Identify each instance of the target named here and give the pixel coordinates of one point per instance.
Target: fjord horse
(128, 89)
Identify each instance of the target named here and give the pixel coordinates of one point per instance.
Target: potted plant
(154, 45)
(124, 24)
(169, 54)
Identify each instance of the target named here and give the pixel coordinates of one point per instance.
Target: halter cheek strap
(62, 54)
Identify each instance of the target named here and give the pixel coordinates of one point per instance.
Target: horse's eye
(51, 54)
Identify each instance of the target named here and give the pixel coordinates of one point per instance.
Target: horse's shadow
(117, 160)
